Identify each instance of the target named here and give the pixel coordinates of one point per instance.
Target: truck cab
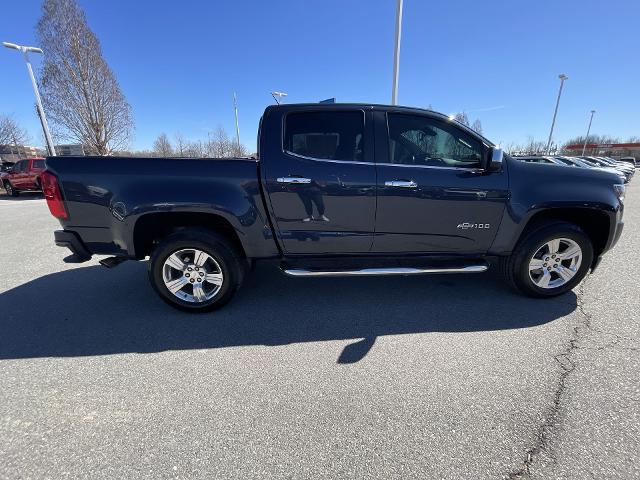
(371, 180)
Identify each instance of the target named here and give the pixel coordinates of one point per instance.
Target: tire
(527, 269)
(11, 190)
(201, 296)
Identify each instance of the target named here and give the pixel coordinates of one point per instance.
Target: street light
(235, 108)
(43, 118)
(396, 54)
(562, 78)
(584, 147)
(277, 96)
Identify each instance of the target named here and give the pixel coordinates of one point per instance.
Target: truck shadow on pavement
(95, 311)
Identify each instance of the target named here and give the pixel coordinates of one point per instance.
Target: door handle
(401, 183)
(300, 180)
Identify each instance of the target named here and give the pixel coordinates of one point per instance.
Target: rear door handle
(401, 183)
(301, 180)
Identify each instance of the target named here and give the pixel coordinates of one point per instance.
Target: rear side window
(325, 135)
(38, 164)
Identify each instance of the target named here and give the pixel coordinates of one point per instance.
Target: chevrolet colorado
(338, 189)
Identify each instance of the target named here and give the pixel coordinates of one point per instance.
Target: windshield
(568, 161)
(590, 162)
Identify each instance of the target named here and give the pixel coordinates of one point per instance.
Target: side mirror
(496, 156)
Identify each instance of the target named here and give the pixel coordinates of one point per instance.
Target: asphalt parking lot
(417, 377)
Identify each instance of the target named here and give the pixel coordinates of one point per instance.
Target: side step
(363, 272)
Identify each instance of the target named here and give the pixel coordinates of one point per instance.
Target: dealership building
(614, 150)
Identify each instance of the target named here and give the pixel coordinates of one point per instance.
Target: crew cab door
(30, 175)
(18, 174)
(321, 179)
(433, 196)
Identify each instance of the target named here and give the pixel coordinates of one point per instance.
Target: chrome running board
(301, 272)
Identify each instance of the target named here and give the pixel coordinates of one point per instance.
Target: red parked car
(23, 177)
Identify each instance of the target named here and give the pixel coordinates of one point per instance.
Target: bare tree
(181, 145)
(162, 147)
(219, 145)
(477, 126)
(535, 147)
(195, 150)
(462, 118)
(80, 92)
(239, 150)
(11, 133)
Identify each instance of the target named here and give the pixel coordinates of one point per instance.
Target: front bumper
(614, 236)
(71, 240)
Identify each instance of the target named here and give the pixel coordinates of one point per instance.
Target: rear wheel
(196, 270)
(550, 260)
(11, 191)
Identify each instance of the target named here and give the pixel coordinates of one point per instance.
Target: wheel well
(594, 223)
(150, 229)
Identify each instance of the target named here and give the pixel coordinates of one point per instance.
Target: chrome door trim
(403, 165)
(327, 159)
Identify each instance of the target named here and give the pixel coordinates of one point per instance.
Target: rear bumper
(71, 240)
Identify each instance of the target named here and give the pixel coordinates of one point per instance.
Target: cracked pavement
(420, 377)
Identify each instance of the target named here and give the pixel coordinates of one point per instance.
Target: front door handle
(401, 183)
(301, 180)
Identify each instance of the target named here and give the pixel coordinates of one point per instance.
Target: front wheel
(11, 191)
(550, 260)
(196, 270)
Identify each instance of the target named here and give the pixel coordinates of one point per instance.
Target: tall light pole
(235, 108)
(43, 118)
(396, 54)
(584, 147)
(562, 78)
(277, 96)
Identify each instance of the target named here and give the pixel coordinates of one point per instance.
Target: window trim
(437, 121)
(324, 110)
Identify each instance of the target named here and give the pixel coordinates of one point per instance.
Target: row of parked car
(625, 170)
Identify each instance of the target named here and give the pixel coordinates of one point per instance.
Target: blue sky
(178, 63)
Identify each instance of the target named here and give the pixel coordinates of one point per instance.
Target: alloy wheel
(192, 275)
(555, 263)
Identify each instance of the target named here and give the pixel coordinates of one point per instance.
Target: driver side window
(424, 141)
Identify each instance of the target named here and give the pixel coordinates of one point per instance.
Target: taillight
(53, 195)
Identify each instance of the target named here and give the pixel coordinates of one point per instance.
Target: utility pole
(43, 118)
(396, 54)
(562, 78)
(584, 147)
(235, 108)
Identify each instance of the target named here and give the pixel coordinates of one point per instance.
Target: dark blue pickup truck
(338, 190)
